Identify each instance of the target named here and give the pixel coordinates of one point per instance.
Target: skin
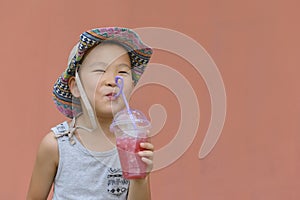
(97, 73)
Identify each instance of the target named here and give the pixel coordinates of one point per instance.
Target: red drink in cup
(130, 127)
(132, 165)
(130, 130)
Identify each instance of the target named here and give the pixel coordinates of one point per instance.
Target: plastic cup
(130, 130)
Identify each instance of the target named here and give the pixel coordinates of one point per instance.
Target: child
(79, 157)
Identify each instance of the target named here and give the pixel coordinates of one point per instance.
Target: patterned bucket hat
(138, 52)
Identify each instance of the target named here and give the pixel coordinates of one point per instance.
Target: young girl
(79, 158)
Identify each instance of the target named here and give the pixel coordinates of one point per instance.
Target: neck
(99, 139)
(103, 124)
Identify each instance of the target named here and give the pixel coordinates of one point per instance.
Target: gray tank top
(84, 174)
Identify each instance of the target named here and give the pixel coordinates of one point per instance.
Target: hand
(147, 154)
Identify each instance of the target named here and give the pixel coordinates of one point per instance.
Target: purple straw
(120, 86)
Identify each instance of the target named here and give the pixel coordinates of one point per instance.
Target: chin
(107, 113)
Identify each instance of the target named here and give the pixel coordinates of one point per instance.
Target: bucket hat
(139, 54)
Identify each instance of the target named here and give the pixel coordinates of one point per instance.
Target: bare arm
(45, 169)
(140, 188)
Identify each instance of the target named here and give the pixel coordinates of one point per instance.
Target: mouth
(111, 96)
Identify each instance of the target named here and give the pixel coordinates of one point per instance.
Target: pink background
(256, 47)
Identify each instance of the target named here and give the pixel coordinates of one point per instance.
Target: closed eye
(99, 70)
(123, 72)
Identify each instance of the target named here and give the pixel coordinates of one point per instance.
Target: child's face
(98, 72)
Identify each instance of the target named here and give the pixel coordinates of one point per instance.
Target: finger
(149, 164)
(148, 154)
(147, 161)
(147, 145)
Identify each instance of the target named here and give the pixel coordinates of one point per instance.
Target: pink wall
(256, 47)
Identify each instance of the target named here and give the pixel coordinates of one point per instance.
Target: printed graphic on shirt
(116, 184)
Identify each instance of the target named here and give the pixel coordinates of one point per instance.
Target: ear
(73, 87)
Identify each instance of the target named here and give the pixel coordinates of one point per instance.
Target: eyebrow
(125, 65)
(98, 64)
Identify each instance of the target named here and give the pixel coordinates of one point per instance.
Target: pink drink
(130, 130)
(132, 165)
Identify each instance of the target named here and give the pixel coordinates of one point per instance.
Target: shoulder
(48, 149)
(49, 142)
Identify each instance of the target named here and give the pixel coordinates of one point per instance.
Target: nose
(111, 84)
(110, 81)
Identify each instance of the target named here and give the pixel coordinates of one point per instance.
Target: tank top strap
(61, 128)
(64, 129)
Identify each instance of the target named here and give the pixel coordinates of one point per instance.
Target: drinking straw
(120, 84)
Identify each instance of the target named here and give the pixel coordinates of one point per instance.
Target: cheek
(90, 86)
(128, 90)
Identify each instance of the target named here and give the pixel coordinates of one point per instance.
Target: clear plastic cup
(130, 129)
